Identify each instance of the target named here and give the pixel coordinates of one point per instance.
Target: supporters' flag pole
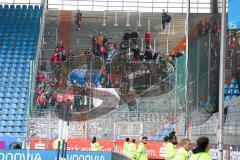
(221, 80)
(186, 70)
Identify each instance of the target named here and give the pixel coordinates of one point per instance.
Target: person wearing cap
(170, 150)
(142, 150)
(201, 152)
(183, 152)
(132, 149)
(95, 145)
(125, 146)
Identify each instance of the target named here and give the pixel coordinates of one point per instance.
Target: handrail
(38, 55)
(154, 6)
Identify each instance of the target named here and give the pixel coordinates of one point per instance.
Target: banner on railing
(51, 155)
(155, 149)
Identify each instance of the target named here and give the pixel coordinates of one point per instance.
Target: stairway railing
(34, 63)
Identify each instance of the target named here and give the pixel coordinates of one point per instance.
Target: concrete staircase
(93, 22)
(51, 33)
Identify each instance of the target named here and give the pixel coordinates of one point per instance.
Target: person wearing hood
(201, 151)
(170, 150)
(95, 145)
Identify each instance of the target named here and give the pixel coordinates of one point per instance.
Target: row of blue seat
(15, 129)
(13, 123)
(12, 111)
(17, 117)
(12, 105)
(16, 7)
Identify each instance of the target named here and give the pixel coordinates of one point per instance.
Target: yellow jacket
(125, 148)
(132, 150)
(170, 151)
(95, 147)
(201, 156)
(182, 154)
(142, 152)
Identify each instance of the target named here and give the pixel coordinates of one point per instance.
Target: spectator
(200, 28)
(126, 36)
(100, 39)
(78, 20)
(41, 101)
(148, 38)
(41, 77)
(165, 19)
(134, 36)
(159, 59)
(136, 53)
(53, 81)
(105, 41)
(62, 82)
(53, 101)
(148, 54)
(43, 65)
(207, 27)
(94, 46)
(39, 90)
(141, 56)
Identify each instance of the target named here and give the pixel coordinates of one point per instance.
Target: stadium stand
(19, 30)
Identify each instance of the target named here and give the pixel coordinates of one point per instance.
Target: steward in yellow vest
(183, 152)
(95, 145)
(170, 150)
(125, 147)
(201, 151)
(132, 149)
(142, 150)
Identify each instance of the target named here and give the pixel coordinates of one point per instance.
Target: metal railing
(177, 6)
(34, 63)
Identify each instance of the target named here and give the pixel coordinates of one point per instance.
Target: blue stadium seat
(9, 123)
(24, 123)
(12, 111)
(11, 117)
(19, 117)
(234, 81)
(8, 129)
(16, 129)
(24, 129)
(2, 129)
(20, 111)
(227, 98)
(232, 85)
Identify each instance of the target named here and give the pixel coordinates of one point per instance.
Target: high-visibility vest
(142, 152)
(95, 147)
(201, 156)
(125, 148)
(132, 150)
(170, 151)
(182, 154)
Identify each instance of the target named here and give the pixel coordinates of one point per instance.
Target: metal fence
(174, 6)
